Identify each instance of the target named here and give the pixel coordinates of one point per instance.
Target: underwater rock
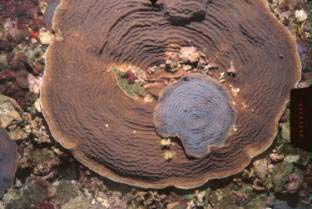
(3, 61)
(9, 111)
(260, 168)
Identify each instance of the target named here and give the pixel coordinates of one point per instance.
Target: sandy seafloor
(48, 177)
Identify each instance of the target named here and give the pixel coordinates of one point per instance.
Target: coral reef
(48, 177)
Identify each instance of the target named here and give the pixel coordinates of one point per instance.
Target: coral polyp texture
(196, 110)
(114, 134)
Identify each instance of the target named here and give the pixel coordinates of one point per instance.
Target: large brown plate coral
(114, 134)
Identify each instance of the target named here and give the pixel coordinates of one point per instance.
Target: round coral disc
(197, 110)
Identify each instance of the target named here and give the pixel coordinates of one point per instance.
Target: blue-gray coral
(7, 161)
(197, 110)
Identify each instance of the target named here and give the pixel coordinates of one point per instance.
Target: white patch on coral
(45, 36)
(301, 15)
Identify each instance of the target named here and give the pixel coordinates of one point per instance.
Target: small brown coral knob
(153, 2)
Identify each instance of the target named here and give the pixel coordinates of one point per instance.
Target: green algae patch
(130, 89)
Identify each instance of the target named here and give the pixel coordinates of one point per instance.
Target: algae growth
(131, 89)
